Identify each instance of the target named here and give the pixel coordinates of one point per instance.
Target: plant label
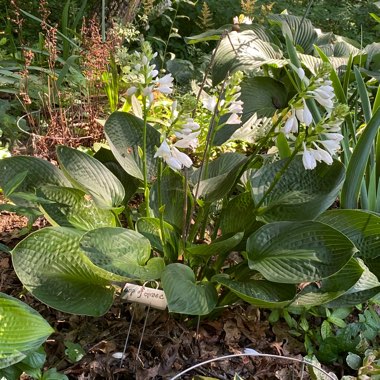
(145, 295)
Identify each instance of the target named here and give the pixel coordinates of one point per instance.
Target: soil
(160, 345)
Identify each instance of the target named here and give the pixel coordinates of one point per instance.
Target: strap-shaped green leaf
(22, 330)
(123, 252)
(361, 227)
(124, 133)
(299, 193)
(73, 208)
(260, 293)
(91, 176)
(358, 162)
(52, 267)
(184, 295)
(293, 252)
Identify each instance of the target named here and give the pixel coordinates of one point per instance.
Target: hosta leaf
(22, 330)
(299, 193)
(124, 133)
(222, 173)
(244, 51)
(32, 172)
(330, 288)
(260, 293)
(173, 197)
(365, 288)
(123, 252)
(184, 295)
(302, 30)
(293, 252)
(52, 267)
(361, 227)
(315, 63)
(219, 246)
(91, 176)
(73, 208)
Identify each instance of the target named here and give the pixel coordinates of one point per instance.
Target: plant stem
(145, 166)
(160, 211)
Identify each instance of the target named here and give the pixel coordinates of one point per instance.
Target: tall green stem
(145, 165)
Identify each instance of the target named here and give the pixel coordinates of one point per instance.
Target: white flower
(308, 159)
(163, 151)
(165, 84)
(148, 92)
(191, 124)
(182, 158)
(174, 110)
(236, 106)
(300, 72)
(322, 155)
(291, 125)
(304, 114)
(131, 90)
(233, 119)
(332, 146)
(187, 140)
(173, 157)
(209, 102)
(246, 20)
(235, 20)
(324, 95)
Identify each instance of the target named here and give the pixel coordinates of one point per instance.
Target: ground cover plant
(260, 187)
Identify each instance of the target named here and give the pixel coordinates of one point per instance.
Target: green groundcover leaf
(260, 293)
(299, 193)
(91, 176)
(73, 208)
(22, 330)
(52, 267)
(184, 295)
(124, 134)
(294, 252)
(361, 227)
(123, 252)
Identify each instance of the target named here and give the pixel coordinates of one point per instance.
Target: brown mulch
(169, 344)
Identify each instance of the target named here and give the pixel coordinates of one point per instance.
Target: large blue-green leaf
(52, 267)
(124, 133)
(91, 176)
(220, 246)
(260, 293)
(330, 288)
(22, 330)
(23, 174)
(361, 227)
(123, 252)
(73, 208)
(184, 295)
(299, 193)
(221, 175)
(244, 51)
(173, 198)
(293, 252)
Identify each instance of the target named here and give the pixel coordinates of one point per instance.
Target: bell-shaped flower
(308, 159)
(163, 151)
(321, 155)
(332, 146)
(191, 124)
(209, 102)
(300, 72)
(148, 93)
(181, 157)
(187, 140)
(236, 106)
(131, 90)
(165, 84)
(291, 125)
(304, 115)
(233, 119)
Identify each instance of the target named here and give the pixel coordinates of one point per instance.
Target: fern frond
(204, 20)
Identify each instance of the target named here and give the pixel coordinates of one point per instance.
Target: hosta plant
(252, 227)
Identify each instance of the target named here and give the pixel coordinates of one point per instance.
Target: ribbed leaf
(314, 63)
(184, 295)
(330, 288)
(73, 208)
(123, 252)
(293, 252)
(91, 176)
(361, 227)
(173, 197)
(260, 293)
(51, 266)
(124, 133)
(244, 51)
(302, 30)
(222, 173)
(22, 330)
(299, 193)
(33, 172)
(367, 287)
(220, 246)
(358, 162)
